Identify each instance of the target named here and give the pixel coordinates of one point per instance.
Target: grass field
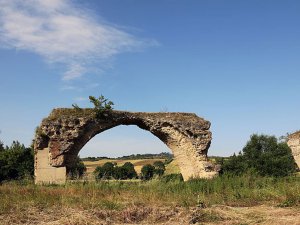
(223, 200)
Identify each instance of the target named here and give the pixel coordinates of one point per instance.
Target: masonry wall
(294, 144)
(46, 174)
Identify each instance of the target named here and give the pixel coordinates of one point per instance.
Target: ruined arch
(61, 136)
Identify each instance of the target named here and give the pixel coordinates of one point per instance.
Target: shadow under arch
(62, 135)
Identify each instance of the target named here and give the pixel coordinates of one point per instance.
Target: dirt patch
(217, 214)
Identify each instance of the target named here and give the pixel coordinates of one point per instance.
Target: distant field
(138, 164)
(171, 168)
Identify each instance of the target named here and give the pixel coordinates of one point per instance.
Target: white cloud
(74, 71)
(67, 87)
(80, 99)
(83, 86)
(60, 32)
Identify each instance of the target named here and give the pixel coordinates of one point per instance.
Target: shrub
(107, 170)
(112, 171)
(235, 165)
(16, 162)
(101, 106)
(77, 170)
(130, 171)
(264, 155)
(172, 178)
(159, 168)
(147, 172)
(120, 173)
(1, 146)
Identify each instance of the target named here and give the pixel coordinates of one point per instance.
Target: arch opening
(125, 143)
(123, 140)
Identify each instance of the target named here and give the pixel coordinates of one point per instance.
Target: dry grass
(217, 214)
(223, 200)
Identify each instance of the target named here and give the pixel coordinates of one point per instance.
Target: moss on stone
(71, 112)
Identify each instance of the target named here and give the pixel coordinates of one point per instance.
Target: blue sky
(235, 63)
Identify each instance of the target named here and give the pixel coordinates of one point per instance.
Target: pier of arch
(294, 144)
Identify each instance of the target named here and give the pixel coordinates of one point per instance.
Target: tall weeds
(246, 190)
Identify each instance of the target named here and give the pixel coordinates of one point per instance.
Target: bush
(120, 173)
(130, 171)
(16, 162)
(172, 178)
(1, 146)
(104, 172)
(264, 155)
(112, 171)
(159, 168)
(147, 172)
(77, 170)
(236, 165)
(102, 106)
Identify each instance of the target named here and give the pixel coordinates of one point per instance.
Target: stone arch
(62, 135)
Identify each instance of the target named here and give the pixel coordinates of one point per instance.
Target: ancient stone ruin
(61, 136)
(294, 144)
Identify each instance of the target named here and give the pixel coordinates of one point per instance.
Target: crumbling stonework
(294, 144)
(62, 135)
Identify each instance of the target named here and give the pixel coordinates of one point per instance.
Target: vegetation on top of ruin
(61, 113)
(101, 108)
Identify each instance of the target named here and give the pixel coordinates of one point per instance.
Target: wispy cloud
(61, 32)
(84, 86)
(80, 99)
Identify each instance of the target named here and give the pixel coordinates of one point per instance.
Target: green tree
(110, 170)
(1, 146)
(235, 164)
(120, 173)
(77, 170)
(16, 162)
(130, 171)
(264, 155)
(147, 172)
(159, 168)
(105, 172)
(98, 172)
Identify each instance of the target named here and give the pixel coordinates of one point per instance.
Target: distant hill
(162, 155)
